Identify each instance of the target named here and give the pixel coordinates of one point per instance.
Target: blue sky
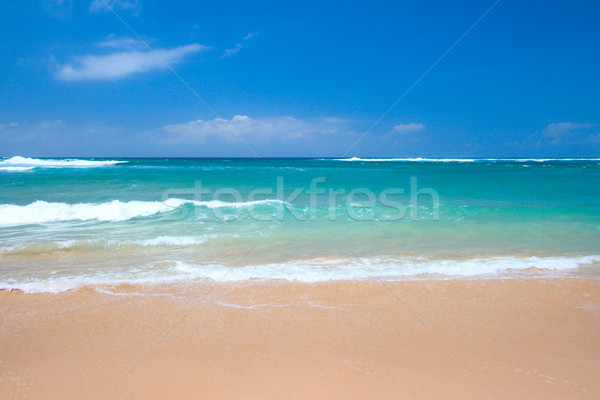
(299, 78)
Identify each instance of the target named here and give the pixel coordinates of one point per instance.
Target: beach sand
(477, 339)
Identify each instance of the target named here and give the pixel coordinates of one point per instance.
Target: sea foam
(308, 271)
(57, 163)
(43, 212)
(16, 169)
(421, 159)
(416, 159)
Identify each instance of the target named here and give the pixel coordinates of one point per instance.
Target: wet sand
(479, 339)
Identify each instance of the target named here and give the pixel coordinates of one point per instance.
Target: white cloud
(37, 132)
(115, 42)
(238, 46)
(269, 136)
(235, 49)
(133, 6)
(561, 130)
(59, 8)
(121, 64)
(57, 138)
(261, 129)
(565, 128)
(408, 128)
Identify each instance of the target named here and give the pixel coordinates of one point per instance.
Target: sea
(68, 223)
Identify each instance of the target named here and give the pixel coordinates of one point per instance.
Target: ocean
(68, 223)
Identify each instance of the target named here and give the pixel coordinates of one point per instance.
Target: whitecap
(16, 169)
(58, 163)
(417, 159)
(44, 212)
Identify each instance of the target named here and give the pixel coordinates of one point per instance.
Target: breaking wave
(43, 212)
(16, 169)
(23, 162)
(308, 271)
(421, 159)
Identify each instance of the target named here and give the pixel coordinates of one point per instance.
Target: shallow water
(65, 223)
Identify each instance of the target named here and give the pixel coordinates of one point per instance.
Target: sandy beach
(480, 339)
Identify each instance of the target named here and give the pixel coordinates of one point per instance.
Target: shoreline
(311, 271)
(492, 338)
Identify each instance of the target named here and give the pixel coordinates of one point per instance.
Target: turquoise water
(66, 223)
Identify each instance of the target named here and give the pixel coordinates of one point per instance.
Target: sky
(137, 78)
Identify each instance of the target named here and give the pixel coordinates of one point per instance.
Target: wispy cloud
(238, 46)
(18, 132)
(120, 64)
(261, 129)
(562, 132)
(272, 136)
(122, 43)
(565, 128)
(133, 6)
(59, 8)
(232, 51)
(408, 128)
(9, 125)
(58, 138)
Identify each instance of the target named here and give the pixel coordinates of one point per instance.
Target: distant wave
(43, 212)
(57, 163)
(545, 159)
(420, 159)
(16, 169)
(309, 271)
(32, 248)
(536, 159)
(406, 159)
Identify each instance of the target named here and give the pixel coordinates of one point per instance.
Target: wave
(319, 270)
(420, 159)
(16, 169)
(540, 160)
(544, 159)
(41, 211)
(173, 241)
(311, 271)
(113, 211)
(58, 163)
(35, 248)
(417, 159)
(221, 204)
